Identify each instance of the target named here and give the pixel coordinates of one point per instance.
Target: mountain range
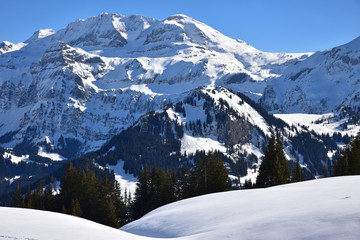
(133, 90)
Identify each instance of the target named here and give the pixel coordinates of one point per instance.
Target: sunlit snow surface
(53, 156)
(316, 210)
(126, 181)
(21, 224)
(190, 145)
(319, 209)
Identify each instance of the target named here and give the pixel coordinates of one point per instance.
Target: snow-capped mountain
(96, 77)
(324, 82)
(103, 79)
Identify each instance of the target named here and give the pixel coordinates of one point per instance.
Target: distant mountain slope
(214, 119)
(324, 82)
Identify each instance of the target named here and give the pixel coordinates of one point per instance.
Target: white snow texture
(325, 209)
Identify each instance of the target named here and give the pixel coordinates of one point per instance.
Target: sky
(268, 25)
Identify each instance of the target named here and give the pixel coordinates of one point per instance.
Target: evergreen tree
(75, 208)
(28, 198)
(341, 166)
(49, 199)
(69, 185)
(209, 175)
(63, 209)
(82, 194)
(349, 162)
(266, 172)
(281, 163)
(37, 199)
(298, 175)
(218, 179)
(142, 200)
(248, 184)
(17, 199)
(274, 168)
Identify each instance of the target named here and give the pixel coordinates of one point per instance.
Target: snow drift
(318, 209)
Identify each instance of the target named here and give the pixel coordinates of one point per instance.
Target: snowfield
(17, 223)
(319, 209)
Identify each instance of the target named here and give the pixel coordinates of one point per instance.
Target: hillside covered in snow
(322, 209)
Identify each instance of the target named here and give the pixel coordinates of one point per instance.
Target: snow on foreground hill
(318, 209)
(26, 224)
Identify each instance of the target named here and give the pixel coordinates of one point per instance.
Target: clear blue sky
(269, 25)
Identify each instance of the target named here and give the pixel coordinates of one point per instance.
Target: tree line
(349, 162)
(83, 194)
(157, 187)
(274, 169)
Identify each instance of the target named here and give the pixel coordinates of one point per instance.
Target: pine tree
(49, 198)
(274, 168)
(354, 156)
(37, 199)
(28, 198)
(142, 200)
(281, 163)
(298, 175)
(83, 195)
(248, 184)
(63, 209)
(218, 180)
(120, 204)
(110, 218)
(266, 173)
(349, 162)
(69, 186)
(209, 175)
(75, 209)
(17, 199)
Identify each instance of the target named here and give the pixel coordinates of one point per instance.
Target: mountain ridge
(70, 92)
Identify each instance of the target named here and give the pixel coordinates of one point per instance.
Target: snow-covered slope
(18, 223)
(320, 209)
(324, 82)
(325, 209)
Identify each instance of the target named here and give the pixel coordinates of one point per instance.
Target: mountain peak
(179, 17)
(6, 46)
(41, 33)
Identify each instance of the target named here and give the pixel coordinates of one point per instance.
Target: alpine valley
(125, 91)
